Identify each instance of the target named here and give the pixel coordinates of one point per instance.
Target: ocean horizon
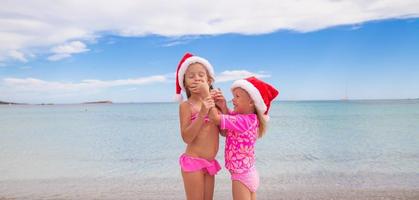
(175, 102)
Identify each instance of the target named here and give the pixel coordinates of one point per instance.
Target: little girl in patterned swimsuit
(198, 165)
(247, 123)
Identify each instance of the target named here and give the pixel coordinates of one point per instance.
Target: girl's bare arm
(214, 116)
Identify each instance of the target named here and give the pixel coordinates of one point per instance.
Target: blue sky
(370, 59)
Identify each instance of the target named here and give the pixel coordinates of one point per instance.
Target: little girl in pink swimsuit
(247, 123)
(198, 165)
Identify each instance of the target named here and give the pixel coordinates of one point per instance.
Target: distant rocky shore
(97, 102)
(10, 103)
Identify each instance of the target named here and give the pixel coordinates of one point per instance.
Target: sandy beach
(162, 188)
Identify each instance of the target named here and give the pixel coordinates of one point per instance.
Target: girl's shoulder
(187, 106)
(183, 104)
(187, 103)
(184, 107)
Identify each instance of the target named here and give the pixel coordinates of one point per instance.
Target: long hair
(262, 124)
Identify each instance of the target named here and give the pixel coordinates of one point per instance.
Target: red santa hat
(262, 93)
(183, 65)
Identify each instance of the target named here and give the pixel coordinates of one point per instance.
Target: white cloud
(37, 85)
(70, 48)
(174, 41)
(237, 74)
(56, 57)
(29, 25)
(66, 50)
(17, 55)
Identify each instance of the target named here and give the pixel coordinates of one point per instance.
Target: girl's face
(242, 102)
(196, 73)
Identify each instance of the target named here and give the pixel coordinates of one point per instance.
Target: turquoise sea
(130, 151)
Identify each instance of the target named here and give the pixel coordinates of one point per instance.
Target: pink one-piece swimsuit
(241, 136)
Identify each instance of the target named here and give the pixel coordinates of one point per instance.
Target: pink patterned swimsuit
(242, 133)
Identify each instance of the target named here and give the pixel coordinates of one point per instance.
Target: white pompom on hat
(261, 93)
(183, 65)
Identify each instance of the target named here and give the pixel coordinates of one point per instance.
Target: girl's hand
(194, 87)
(204, 89)
(207, 104)
(201, 88)
(219, 100)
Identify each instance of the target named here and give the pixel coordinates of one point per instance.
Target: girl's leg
(253, 196)
(194, 184)
(240, 191)
(209, 187)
